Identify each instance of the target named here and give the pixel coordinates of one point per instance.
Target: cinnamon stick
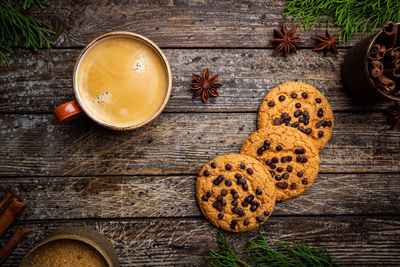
(4, 201)
(12, 243)
(390, 33)
(385, 83)
(393, 73)
(377, 52)
(13, 207)
(393, 64)
(376, 68)
(392, 54)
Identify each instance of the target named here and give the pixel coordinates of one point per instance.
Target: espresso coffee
(121, 81)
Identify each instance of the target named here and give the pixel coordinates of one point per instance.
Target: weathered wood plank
(180, 23)
(166, 196)
(175, 143)
(184, 242)
(40, 82)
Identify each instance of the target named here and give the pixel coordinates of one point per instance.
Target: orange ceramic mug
(121, 80)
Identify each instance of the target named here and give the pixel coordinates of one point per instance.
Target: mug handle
(67, 111)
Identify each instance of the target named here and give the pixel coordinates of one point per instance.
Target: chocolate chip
(238, 176)
(240, 181)
(320, 134)
(219, 198)
(245, 203)
(249, 198)
(228, 182)
(308, 131)
(293, 186)
(242, 166)
(289, 158)
(228, 166)
(208, 194)
(299, 174)
(329, 123)
(320, 112)
(293, 95)
(260, 219)
(223, 202)
(234, 203)
(305, 181)
(267, 143)
(278, 177)
(220, 216)
(206, 173)
(233, 224)
(285, 176)
(235, 209)
(306, 114)
(235, 196)
(272, 173)
(272, 166)
(283, 159)
(282, 98)
(218, 180)
(233, 191)
(318, 100)
(289, 168)
(266, 213)
(274, 160)
(217, 206)
(302, 159)
(304, 95)
(268, 162)
(250, 171)
(245, 187)
(306, 122)
(295, 124)
(323, 123)
(241, 213)
(213, 165)
(318, 124)
(279, 169)
(298, 105)
(224, 192)
(258, 191)
(277, 121)
(282, 185)
(271, 103)
(301, 120)
(297, 113)
(278, 148)
(253, 208)
(260, 150)
(205, 198)
(246, 222)
(299, 151)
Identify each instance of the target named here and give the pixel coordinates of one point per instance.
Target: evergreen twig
(16, 27)
(352, 16)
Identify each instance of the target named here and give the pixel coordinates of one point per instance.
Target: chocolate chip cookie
(301, 106)
(290, 156)
(235, 192)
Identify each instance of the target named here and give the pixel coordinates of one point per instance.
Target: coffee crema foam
(122, 81)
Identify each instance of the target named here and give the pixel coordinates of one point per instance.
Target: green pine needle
(263, 255)
(352, 16)
(16, 28)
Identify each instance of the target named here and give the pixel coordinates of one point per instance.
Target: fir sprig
(261, 254)
(16, 28)
(352, 16)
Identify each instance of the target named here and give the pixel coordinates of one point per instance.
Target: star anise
(205, 86)
(395, 115)
(287, 41)
(327, 43)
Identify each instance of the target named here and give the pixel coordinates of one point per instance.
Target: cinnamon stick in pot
(376, 68)
(393, 64)
(385, 83)
(12, 243)
(390, 33)
(393, 73)
(377, 52)
(11, 208)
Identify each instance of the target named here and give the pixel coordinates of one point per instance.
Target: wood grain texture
(184, 242)
(174, 196)
(175, 143)
(38, 82)
(181, 23)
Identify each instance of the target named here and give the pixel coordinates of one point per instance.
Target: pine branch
(16, 28)
(28, 3)
(352, 16)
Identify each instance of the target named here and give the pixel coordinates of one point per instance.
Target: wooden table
(137, 187)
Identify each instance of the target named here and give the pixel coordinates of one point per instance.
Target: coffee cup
(121, 80)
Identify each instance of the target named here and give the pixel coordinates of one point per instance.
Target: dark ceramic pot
(355, 73)
(92, 238)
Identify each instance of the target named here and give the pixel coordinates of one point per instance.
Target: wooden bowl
(88, 236)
